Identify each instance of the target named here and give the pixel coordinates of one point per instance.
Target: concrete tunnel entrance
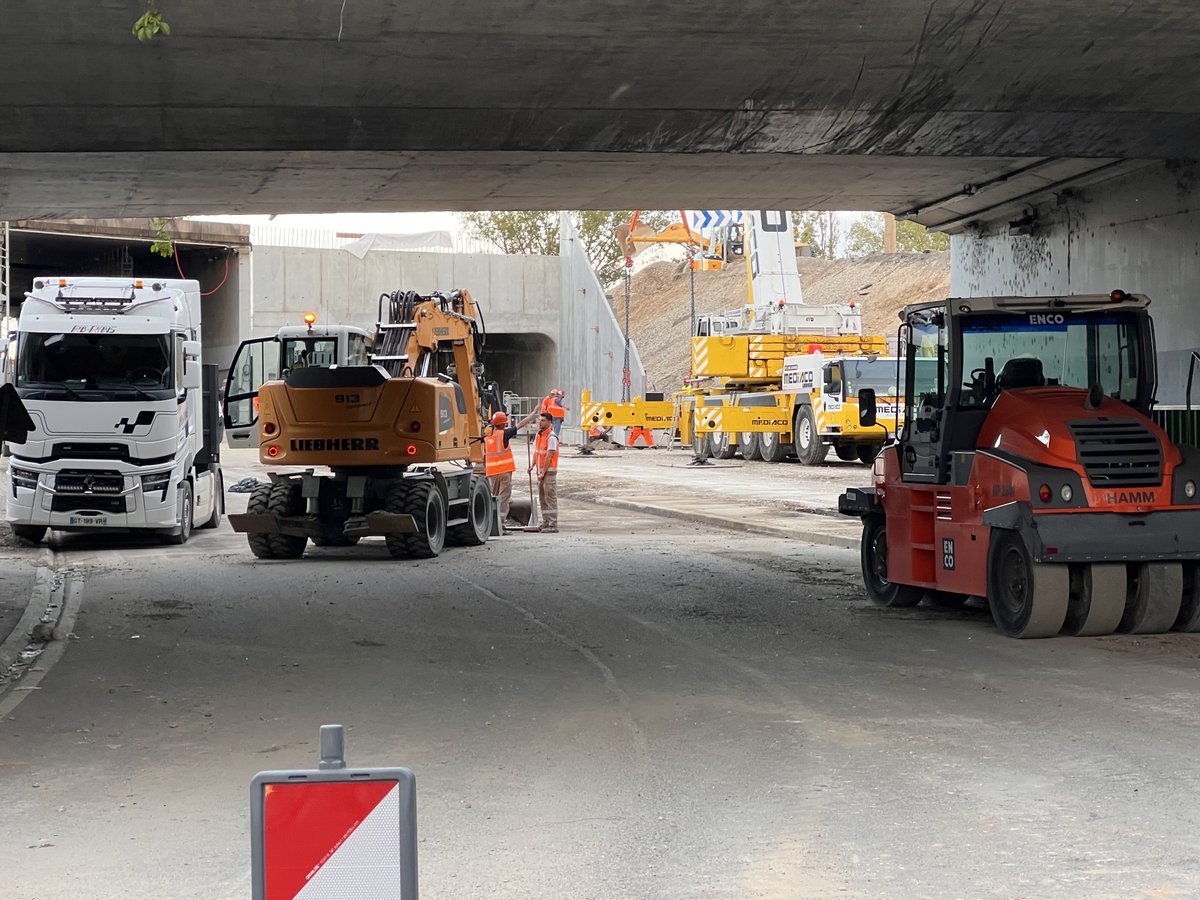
(522, 363)
(71, 248)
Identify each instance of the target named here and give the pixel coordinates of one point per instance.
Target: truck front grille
(84, 481)
(1117, 452)
(88, 502)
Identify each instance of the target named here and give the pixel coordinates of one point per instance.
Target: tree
(866, 236)
(537, 232)
(819, 229)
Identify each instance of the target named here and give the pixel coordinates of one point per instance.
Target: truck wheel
(1027, 599)
(218, 501)
(280, 499)
(866, 453)
(722, 446)
(749, 443)
(772, 448)
(424, 502)
(478, 527)
(846, 452)
(701, 444)
(875, 569)
(31, 533)
(186, 502)
(810, 449)
(1155, 596)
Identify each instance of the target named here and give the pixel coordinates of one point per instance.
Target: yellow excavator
(400, 437)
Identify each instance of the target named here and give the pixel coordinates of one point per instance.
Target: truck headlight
(1189, 489)
(1066, 493)
(156, 483)
(23, 478)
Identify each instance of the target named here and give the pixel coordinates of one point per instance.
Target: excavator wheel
(279, 498)
(478, 527)
(1097, 599)
(1154, 598)
(866, 453)
(750, 445)
(424, 502)
(772, 448)
(1027, 599)
(722, 446)
(1189, 609)
(810, 449)
(874, 569)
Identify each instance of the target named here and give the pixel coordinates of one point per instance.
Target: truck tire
(772, 448)
(846, 452)
(810, 449)
(218, 501)
(749, 445)
(722, 446)
(278, 498)
(424, 502)
(187, 502)
(31, 533)
(866, 454)
(480, 510)
(873, 553)
(1027, 599)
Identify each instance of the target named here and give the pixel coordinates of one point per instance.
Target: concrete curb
(19, 650)
(719, 521)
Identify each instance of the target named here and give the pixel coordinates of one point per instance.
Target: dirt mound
(660, 302)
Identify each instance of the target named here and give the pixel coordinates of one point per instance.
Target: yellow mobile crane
(400, 437)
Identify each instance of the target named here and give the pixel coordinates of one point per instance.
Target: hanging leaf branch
(151, 24)
(164, 244)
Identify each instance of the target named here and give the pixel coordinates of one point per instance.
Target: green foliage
(819, 229)
(164, 244)
(536, 232)
(866, 236)
(151, 24)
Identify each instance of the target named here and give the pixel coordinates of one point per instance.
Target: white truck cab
(125, 434)
(267, 359)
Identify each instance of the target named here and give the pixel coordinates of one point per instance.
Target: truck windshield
(1040, 349)
(104, 363)
(877, 374)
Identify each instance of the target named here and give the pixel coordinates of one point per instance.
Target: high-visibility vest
(546, 462)
(596, 431)
(552, 406)
(497, 458)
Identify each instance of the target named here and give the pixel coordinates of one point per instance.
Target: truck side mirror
(15, 422)
(191, 375)
(191, 349)
(866, 407)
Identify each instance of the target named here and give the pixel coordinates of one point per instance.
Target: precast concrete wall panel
(1139, 232)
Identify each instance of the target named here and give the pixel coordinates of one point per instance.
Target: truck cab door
(925, 391)
(256, 362)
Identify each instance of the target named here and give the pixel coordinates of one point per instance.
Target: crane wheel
(1097, 599)
(866, 453)
(701, 444)
(280, 498)
(810, 449)
(1154, 599)
(425, 503)
(478, 527)
(1027, 599)
(846, 452)
(722, 446)
(874, 569)
(750, 446)
(1189, 609)
(772, 448)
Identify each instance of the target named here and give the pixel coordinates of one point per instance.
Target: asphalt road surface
(635, 707)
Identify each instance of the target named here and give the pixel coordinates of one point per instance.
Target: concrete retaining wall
(1139, 232)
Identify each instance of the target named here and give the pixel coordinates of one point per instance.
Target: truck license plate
(89, 520)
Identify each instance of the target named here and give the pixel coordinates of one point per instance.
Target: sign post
(333, 831)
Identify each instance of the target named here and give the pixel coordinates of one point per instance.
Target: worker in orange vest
(545, 460)
(553, 405)
(498, 462)
(598, 434)
(637, 431)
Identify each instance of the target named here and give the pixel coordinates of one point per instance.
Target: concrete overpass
(1065, 118)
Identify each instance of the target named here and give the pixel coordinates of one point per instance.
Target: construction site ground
(680, 695)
